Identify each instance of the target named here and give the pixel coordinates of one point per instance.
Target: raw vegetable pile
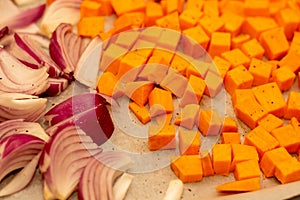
(155, 52)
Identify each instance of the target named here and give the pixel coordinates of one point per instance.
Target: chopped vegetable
(174, 190)
(246, 185)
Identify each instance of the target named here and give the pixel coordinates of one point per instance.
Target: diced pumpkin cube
(139, 91)
(188, 168)
(275, 43)
(271, 158)
(179, 64)
(189, 97)
(270, 122)
(198, 85)
(238, 78)
(246, 185)
(153, 12)
(214, 84)
(219, 43)
(190, 115)
(221, 157)
(111, 58)
(222, 65)
(197, 68)
(124, 6)
(246, 170)
(262, 140)
(160, 102)
(254, 26)
(284, 78)
(237, 41)
(242, 152)
(161, 137)
(163, 120)
(240, 95)
(141, 112)
(261, 71)
(293, 106)
(194, 4)
(90, 26)
(250, 112)
(170, 21)
(231, 138)
(107, 84)
(253, 49)
(229, 125)
(169, 39)
(127, 39)
(189, 18)
(174, 82)
(236, 58)
(288, 171)
(199, 37)
(291, 61)
(287, 137)
(256, 8)
(211, 8)
(207, 166)
(150, 34)
(233, 23)
(167, 55)
(189, 142)
(209, 122)
(289, 19)
(89, 9)
(130, 66)
(154, 72)
(271, 98)
(211, 24)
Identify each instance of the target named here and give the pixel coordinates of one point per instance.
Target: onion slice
(57, 85)
(24, 18)
(99, 175)
(34, 50)
(62, 11)
(65, 47)
(19, 126)
(87, 68)
(9, 11)
(17, 106)
(73, 106)
(22, 179)
(17, 151)
(95, 122)
(4, 31)
(122, 185)
(18, 78)
(63, 161)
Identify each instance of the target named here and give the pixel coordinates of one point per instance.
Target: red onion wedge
(62, 11)
(87, 112)
(73, 106)
(87, 68)
(34, 50)
(57, 85)
(63, 161)
(4, 31)
(17, 151)
(99, 175)
(17, 106)
(65, 47)
(24, 18)
(22, 179)
(19, 126)
(18, 78)
(9, 14)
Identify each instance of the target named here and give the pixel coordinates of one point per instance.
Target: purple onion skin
(95, 122)
(4, 31)
(16, 141)
(74, 105)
